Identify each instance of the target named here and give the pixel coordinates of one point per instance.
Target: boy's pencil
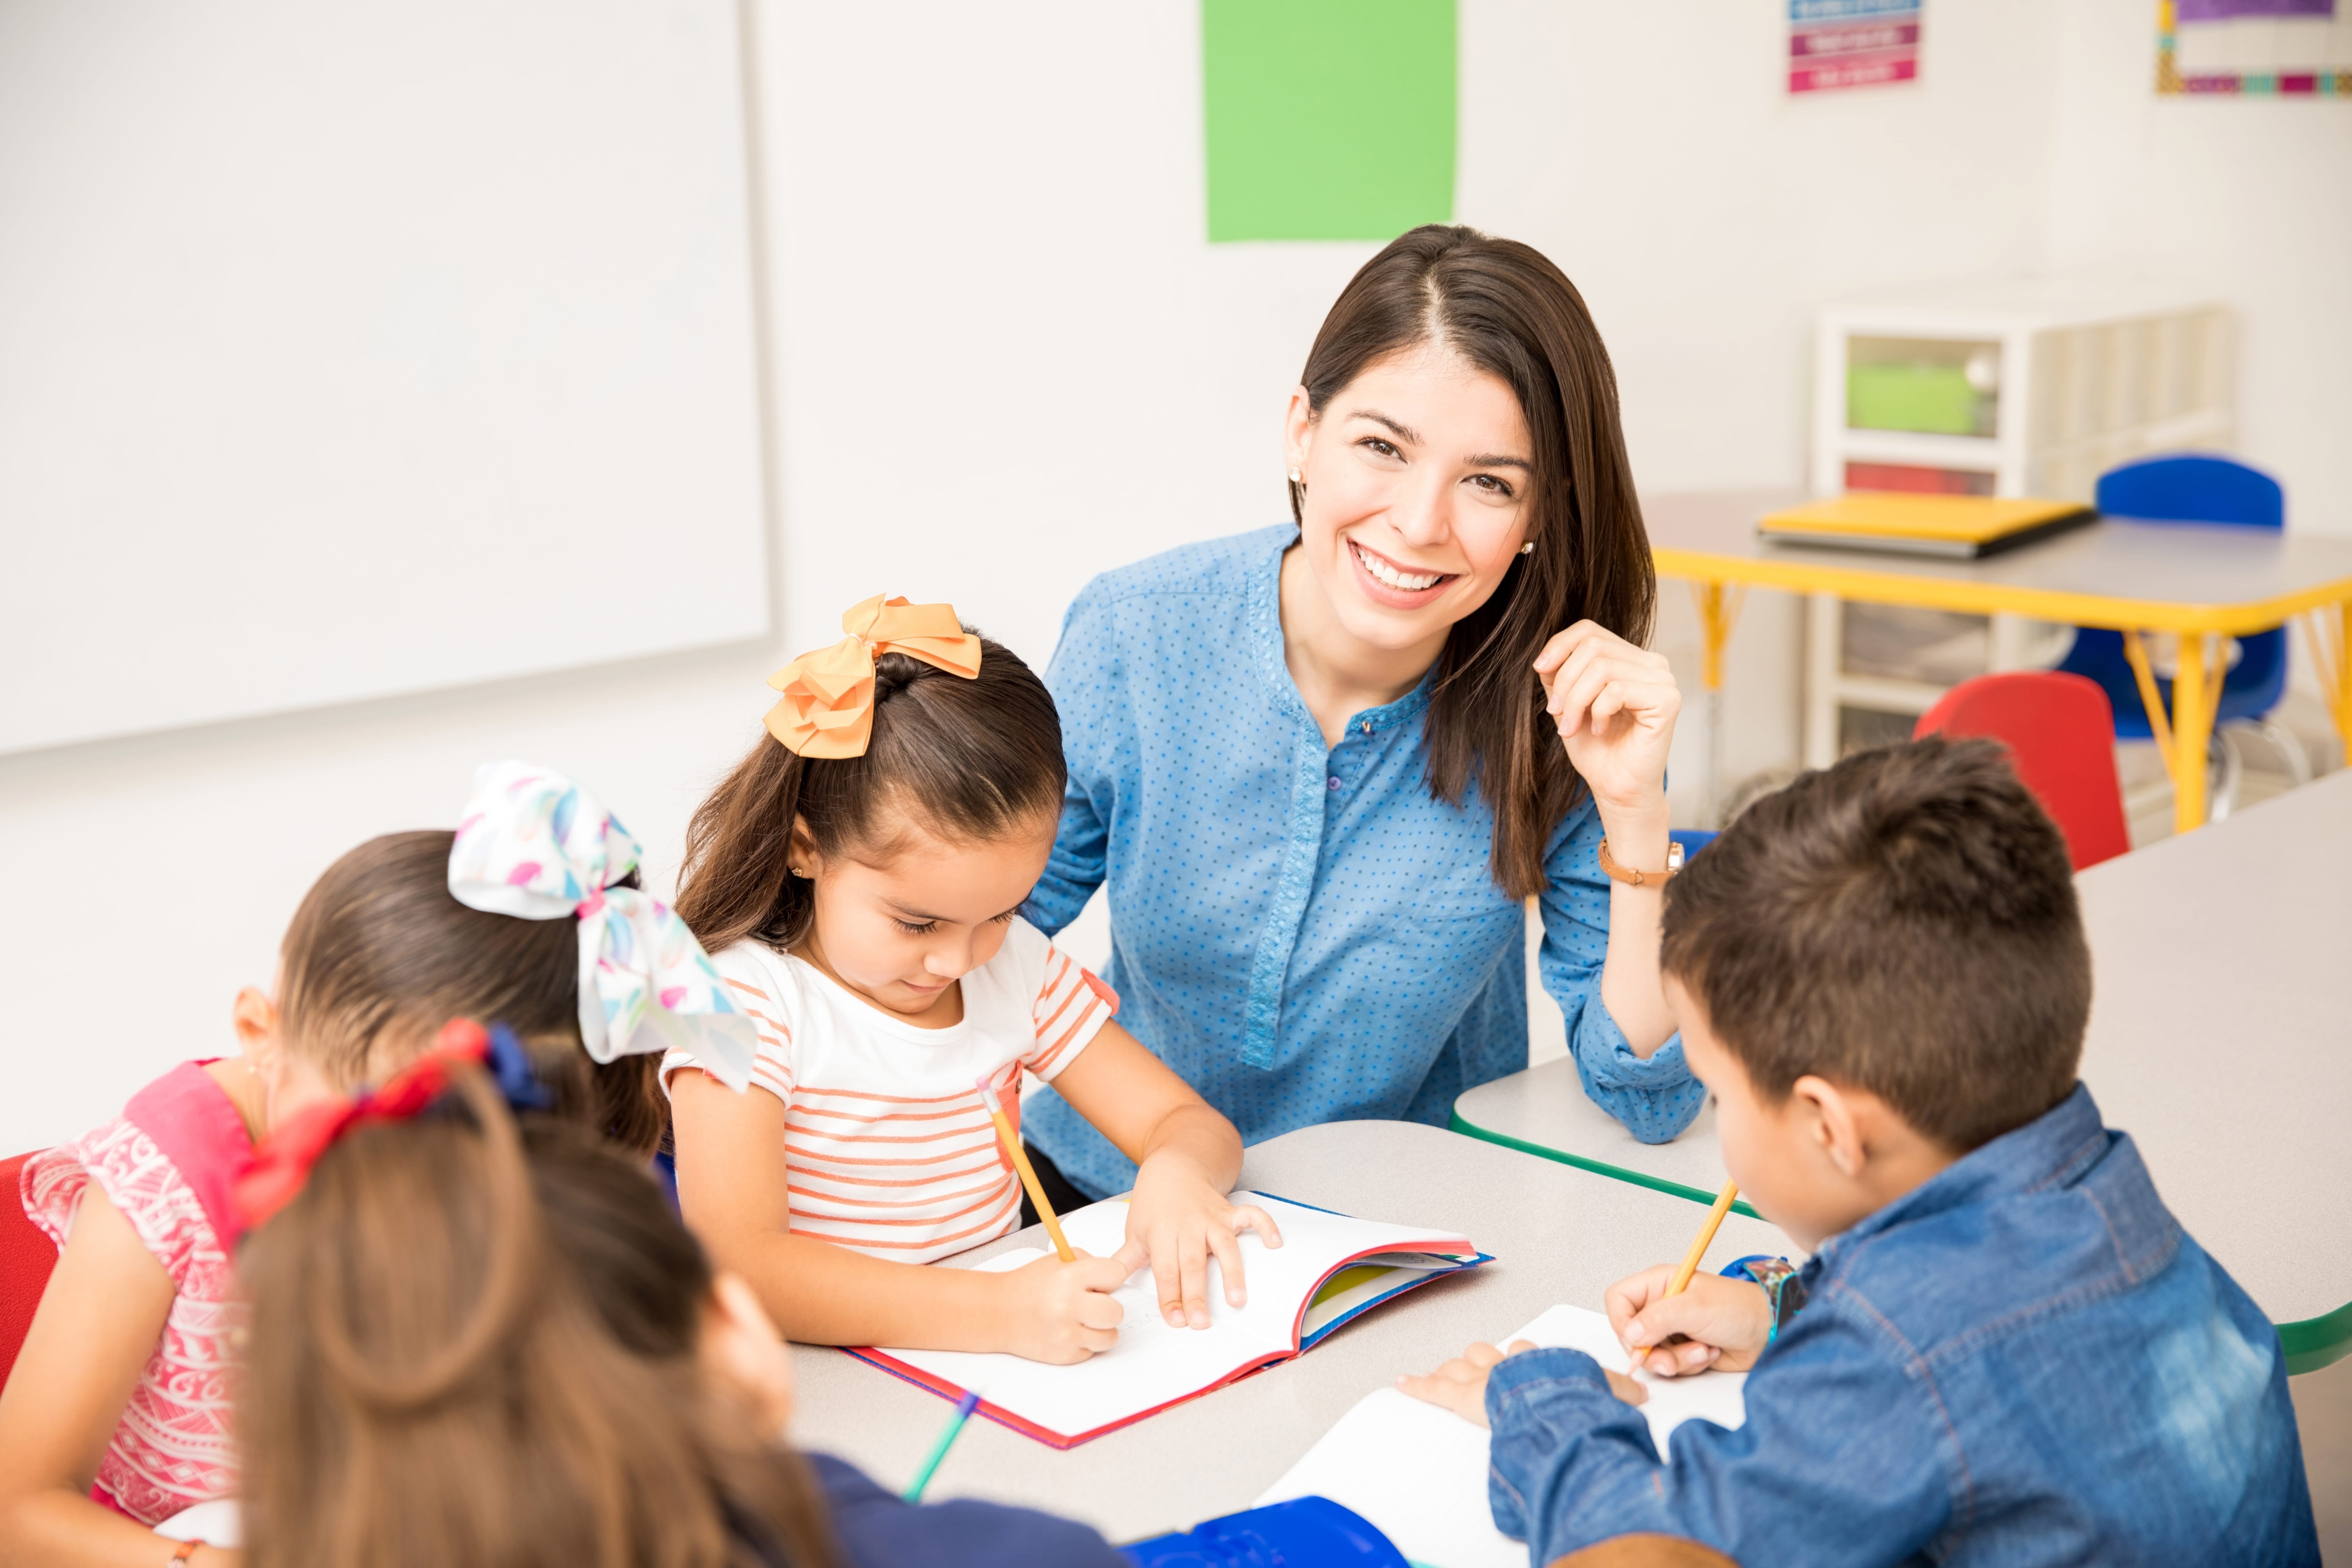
(1705, 1238)
(1682, 1279)
(964, 1408)
(1020, 1158)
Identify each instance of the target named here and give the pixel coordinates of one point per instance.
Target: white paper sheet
(1153, 1364)
(1420, 1473)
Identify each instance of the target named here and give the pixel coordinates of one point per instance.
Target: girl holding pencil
(857, 879)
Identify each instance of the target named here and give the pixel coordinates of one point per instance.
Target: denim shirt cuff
(1602, 1049)
(1541, 1405)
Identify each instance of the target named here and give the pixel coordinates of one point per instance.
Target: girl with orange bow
(116, 1414)
(857, 879)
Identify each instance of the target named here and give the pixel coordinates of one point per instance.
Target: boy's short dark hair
(1905, 923)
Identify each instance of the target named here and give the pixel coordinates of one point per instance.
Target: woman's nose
(1421, 514)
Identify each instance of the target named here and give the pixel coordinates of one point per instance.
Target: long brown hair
(1506, 309)
(971, 759)
(476, 1345)
(380, 956)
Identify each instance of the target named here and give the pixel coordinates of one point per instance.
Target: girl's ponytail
(966, 741)
(737, 880)
(475, 1341)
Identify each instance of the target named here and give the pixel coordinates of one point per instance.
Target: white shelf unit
(2070, 376)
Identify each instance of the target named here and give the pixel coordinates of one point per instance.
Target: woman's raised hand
(1615, 705)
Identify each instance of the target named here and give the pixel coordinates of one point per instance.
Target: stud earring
(801, 874)
(1294, 479)
(1528, 548)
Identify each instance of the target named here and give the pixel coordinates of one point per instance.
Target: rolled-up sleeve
(1654, 1097)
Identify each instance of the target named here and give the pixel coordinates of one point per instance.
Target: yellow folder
(1961, 527)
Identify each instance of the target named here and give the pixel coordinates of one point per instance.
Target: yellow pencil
(1682, 1279)
(1020, 1157)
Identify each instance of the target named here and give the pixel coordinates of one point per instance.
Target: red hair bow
(284, 1161)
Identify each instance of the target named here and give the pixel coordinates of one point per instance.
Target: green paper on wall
(1328, 119)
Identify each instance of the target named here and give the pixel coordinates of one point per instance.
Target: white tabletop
(2220, 1039)
(1557, 1234)
(2166, 563)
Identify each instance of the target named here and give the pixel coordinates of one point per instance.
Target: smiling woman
(1321, 767)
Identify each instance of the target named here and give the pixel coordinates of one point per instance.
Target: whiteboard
(354, 350)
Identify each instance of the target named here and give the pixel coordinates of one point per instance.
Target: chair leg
(2291, 751)
(2225, 765)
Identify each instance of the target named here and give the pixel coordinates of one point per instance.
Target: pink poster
(1851, 43)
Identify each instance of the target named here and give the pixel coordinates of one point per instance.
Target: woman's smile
(1393, 584)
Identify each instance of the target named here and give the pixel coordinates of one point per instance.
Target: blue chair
(1692, 839)
(2187, 486)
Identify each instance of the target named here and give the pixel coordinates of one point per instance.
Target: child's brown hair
(476, 1343)
(380, 956)
(1903, 922)
(969, 758)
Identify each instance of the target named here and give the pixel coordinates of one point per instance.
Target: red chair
(26, 1256)
(2059, 731)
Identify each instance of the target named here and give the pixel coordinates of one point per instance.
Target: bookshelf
(2025, 386)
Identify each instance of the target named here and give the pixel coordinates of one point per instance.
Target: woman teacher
(1321, 767)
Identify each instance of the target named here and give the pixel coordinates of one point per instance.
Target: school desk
(2204, 584)
(2221, 991)
(1558, 1235)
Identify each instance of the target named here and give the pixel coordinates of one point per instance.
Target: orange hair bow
(828, 705)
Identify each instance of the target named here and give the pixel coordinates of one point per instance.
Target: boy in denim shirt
(2004, 1349)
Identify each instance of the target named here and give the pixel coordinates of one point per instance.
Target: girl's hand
(1615, 705)
(1715, 1323)
(1175, 1219)
(1063, 1313)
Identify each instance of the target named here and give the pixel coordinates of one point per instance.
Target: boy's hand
(1460, 1385)
(1063, 1313)
(1175, 1219)
(1725, 1322)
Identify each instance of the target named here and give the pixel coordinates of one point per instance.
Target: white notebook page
(1419, 1473)
(1153, 1364)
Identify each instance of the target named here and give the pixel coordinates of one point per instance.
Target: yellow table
(2204, 584)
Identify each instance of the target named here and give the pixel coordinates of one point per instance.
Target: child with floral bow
(116, 1415)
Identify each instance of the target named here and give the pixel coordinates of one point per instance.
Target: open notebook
(1420, 1473)
(1329, 1268)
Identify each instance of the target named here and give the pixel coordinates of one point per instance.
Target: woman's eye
(912, 929)
(1491, 485)
(1384, 448)
(1005, 919)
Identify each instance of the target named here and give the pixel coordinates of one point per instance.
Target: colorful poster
(2297, 48)
(1838, 43)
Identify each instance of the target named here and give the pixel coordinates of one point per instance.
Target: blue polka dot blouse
(1301, 931)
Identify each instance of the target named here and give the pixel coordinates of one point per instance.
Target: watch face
(1674, 855)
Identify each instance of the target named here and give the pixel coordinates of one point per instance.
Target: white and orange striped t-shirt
(887, 1141)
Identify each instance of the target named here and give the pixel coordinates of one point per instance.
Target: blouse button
(1333, 781)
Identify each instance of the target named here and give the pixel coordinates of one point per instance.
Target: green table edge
(2308, 1343)
(1655, 1183)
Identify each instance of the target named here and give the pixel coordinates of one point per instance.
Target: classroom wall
(2250, 198)
(1002, 357)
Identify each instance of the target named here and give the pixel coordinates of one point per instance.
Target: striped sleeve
(1071, 1008)
(755, 995)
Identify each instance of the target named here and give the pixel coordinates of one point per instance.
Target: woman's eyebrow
(1377, 417)
(1492, 460)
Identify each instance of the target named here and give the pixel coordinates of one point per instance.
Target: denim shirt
(1301, 930)
(2024, 1360)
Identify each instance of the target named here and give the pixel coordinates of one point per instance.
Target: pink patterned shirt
(167, 1163)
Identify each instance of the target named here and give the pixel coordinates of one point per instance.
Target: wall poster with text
(1836, 44)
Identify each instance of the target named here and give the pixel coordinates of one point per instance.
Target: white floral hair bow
(536, 846)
